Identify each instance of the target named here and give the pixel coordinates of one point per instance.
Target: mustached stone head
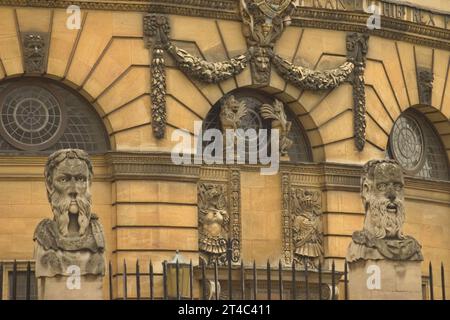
(382, 191)
(68, 179)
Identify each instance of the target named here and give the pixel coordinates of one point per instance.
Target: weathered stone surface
(57, 288)
(399, 280)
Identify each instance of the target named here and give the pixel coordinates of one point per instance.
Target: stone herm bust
(382, 191)
(74, 237)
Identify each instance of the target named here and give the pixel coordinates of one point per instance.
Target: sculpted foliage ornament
(382, 191)
(357, 46)
(210, 72)
(156, 29)
(310, 79)
(232, 112)
(278, 116)
(263, 23)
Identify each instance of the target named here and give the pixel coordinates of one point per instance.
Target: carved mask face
(262, 62)
(71, 194)
(384, 201)
(34, 46)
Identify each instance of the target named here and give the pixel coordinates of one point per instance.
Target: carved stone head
(68, 178)
(382, 190)
(34, 51)
(261, 59)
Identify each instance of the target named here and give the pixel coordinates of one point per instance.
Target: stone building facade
(117, 88)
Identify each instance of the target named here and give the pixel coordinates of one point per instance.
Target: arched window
(299, 149)
(42, 116)
(414, 143)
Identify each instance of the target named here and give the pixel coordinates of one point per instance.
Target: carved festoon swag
(263, 23)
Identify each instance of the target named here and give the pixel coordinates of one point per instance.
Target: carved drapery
(263, 24)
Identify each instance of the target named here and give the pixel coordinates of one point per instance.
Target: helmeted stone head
(382, 191)
(68, 178)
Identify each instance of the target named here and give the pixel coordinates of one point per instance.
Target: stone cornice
(158, 166)
(350, 20)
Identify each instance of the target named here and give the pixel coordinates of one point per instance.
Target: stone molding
(158, 166)
(351, 21)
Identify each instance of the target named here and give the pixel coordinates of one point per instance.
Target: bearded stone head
(382, 190)
(68, 178)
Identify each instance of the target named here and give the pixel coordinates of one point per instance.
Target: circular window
(414, 143)
(31, 117)
(407, 144)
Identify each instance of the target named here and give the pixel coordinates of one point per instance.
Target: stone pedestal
(57, 288)
(398, 280)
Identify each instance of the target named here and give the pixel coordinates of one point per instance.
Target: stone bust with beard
(74, 237)
(382, 191)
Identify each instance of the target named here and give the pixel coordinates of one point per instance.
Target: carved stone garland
(357, 46)
(263, 23)
(156, 29)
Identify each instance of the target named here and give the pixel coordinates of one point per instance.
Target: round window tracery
(417, 147)
(407, 144)
(40, 116)
(32, 117)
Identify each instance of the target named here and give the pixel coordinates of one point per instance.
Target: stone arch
(74, 89)
(433, 121)
(302, 117)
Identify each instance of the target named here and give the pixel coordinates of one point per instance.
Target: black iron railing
(242, 281)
